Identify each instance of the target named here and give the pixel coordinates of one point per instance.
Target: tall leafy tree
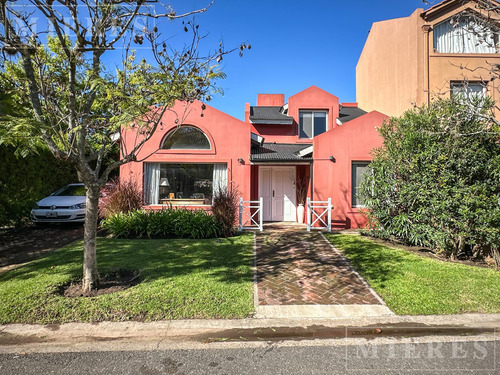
(56, 58)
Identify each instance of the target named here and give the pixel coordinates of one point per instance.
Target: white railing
(249, 219)
(314, 217)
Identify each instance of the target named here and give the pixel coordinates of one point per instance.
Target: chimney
(352, 105)
(247, 112)
(271, 100)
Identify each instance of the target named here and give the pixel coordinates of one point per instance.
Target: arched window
(186, 138)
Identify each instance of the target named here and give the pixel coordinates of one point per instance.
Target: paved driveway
(24, 244)
(296, 267)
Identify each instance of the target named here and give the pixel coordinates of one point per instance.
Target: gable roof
(269, 115)
(447, 6)
(283, 152)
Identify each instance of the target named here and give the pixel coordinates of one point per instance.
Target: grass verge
(414, 285)
(181, 279)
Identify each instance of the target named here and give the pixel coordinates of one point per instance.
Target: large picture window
(186, 138)
(183, 184)
(312, 123)
(359, 168)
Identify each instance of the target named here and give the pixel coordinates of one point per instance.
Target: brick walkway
(296, 267)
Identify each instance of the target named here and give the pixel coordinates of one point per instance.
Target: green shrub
(436, 180)
(165, 223)
(120, 196)
(225, 209)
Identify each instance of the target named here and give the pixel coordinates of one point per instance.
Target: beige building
(409, 61)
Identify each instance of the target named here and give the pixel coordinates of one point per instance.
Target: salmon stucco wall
(399, 67)
(389, 70)
(229, 138)
(312, 98)
(348, 143)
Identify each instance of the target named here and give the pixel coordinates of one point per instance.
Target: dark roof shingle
(350, 113)
(266, 114)
(279, 152)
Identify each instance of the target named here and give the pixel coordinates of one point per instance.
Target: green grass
(415, 285)
(180, 279)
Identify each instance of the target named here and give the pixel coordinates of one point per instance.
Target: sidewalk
(187, 334)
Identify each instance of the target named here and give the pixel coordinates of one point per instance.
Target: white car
(67, 205)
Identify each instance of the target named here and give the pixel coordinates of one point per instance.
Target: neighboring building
(437, 52)
(311, 138)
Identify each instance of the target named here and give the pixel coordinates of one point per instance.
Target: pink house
(312, 140)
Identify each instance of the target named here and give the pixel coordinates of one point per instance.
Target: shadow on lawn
(227, 260)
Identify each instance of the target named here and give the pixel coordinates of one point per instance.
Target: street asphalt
(433, 357)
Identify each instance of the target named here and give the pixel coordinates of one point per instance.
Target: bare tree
(76, 103)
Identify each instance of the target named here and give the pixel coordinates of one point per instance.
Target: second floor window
(186, 138)
(465, 34)
(312, 123)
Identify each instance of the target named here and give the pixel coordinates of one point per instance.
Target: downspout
(311, 169)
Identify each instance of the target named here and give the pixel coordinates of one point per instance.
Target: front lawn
(181, 279)
(414, 285)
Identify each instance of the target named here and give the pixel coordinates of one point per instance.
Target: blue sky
(295, 44)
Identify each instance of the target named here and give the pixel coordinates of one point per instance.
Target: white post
(329, 214)
(261, 208)
(240, 225)
(308, 202)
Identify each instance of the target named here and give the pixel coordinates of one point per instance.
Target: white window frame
(353, 187)
(312, 112)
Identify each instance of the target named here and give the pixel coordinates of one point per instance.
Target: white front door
(277, 188)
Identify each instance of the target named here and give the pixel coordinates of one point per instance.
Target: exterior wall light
(241, 161)
(332, 159)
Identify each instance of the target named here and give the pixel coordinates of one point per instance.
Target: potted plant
(301, 185)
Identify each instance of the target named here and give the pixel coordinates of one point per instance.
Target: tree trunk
(90, 275)
(496, 256)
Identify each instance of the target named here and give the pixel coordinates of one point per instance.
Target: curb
(201, 334)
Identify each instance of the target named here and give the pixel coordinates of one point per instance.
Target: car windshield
(71, 191)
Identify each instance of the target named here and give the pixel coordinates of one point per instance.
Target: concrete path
(300, 274)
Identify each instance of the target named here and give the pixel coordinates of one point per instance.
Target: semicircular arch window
(186, 138)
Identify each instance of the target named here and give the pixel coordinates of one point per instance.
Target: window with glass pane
(186, 138)
(312, 123)
(465, 34)
(186, 183)
(359, 168)
(468, 90)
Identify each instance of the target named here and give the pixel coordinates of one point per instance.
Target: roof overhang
(272, 122)
(257, 139)
(281, 162)
(487, 7)
(306, 151)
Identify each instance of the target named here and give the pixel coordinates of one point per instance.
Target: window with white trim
(312, 123)
(358, 169)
